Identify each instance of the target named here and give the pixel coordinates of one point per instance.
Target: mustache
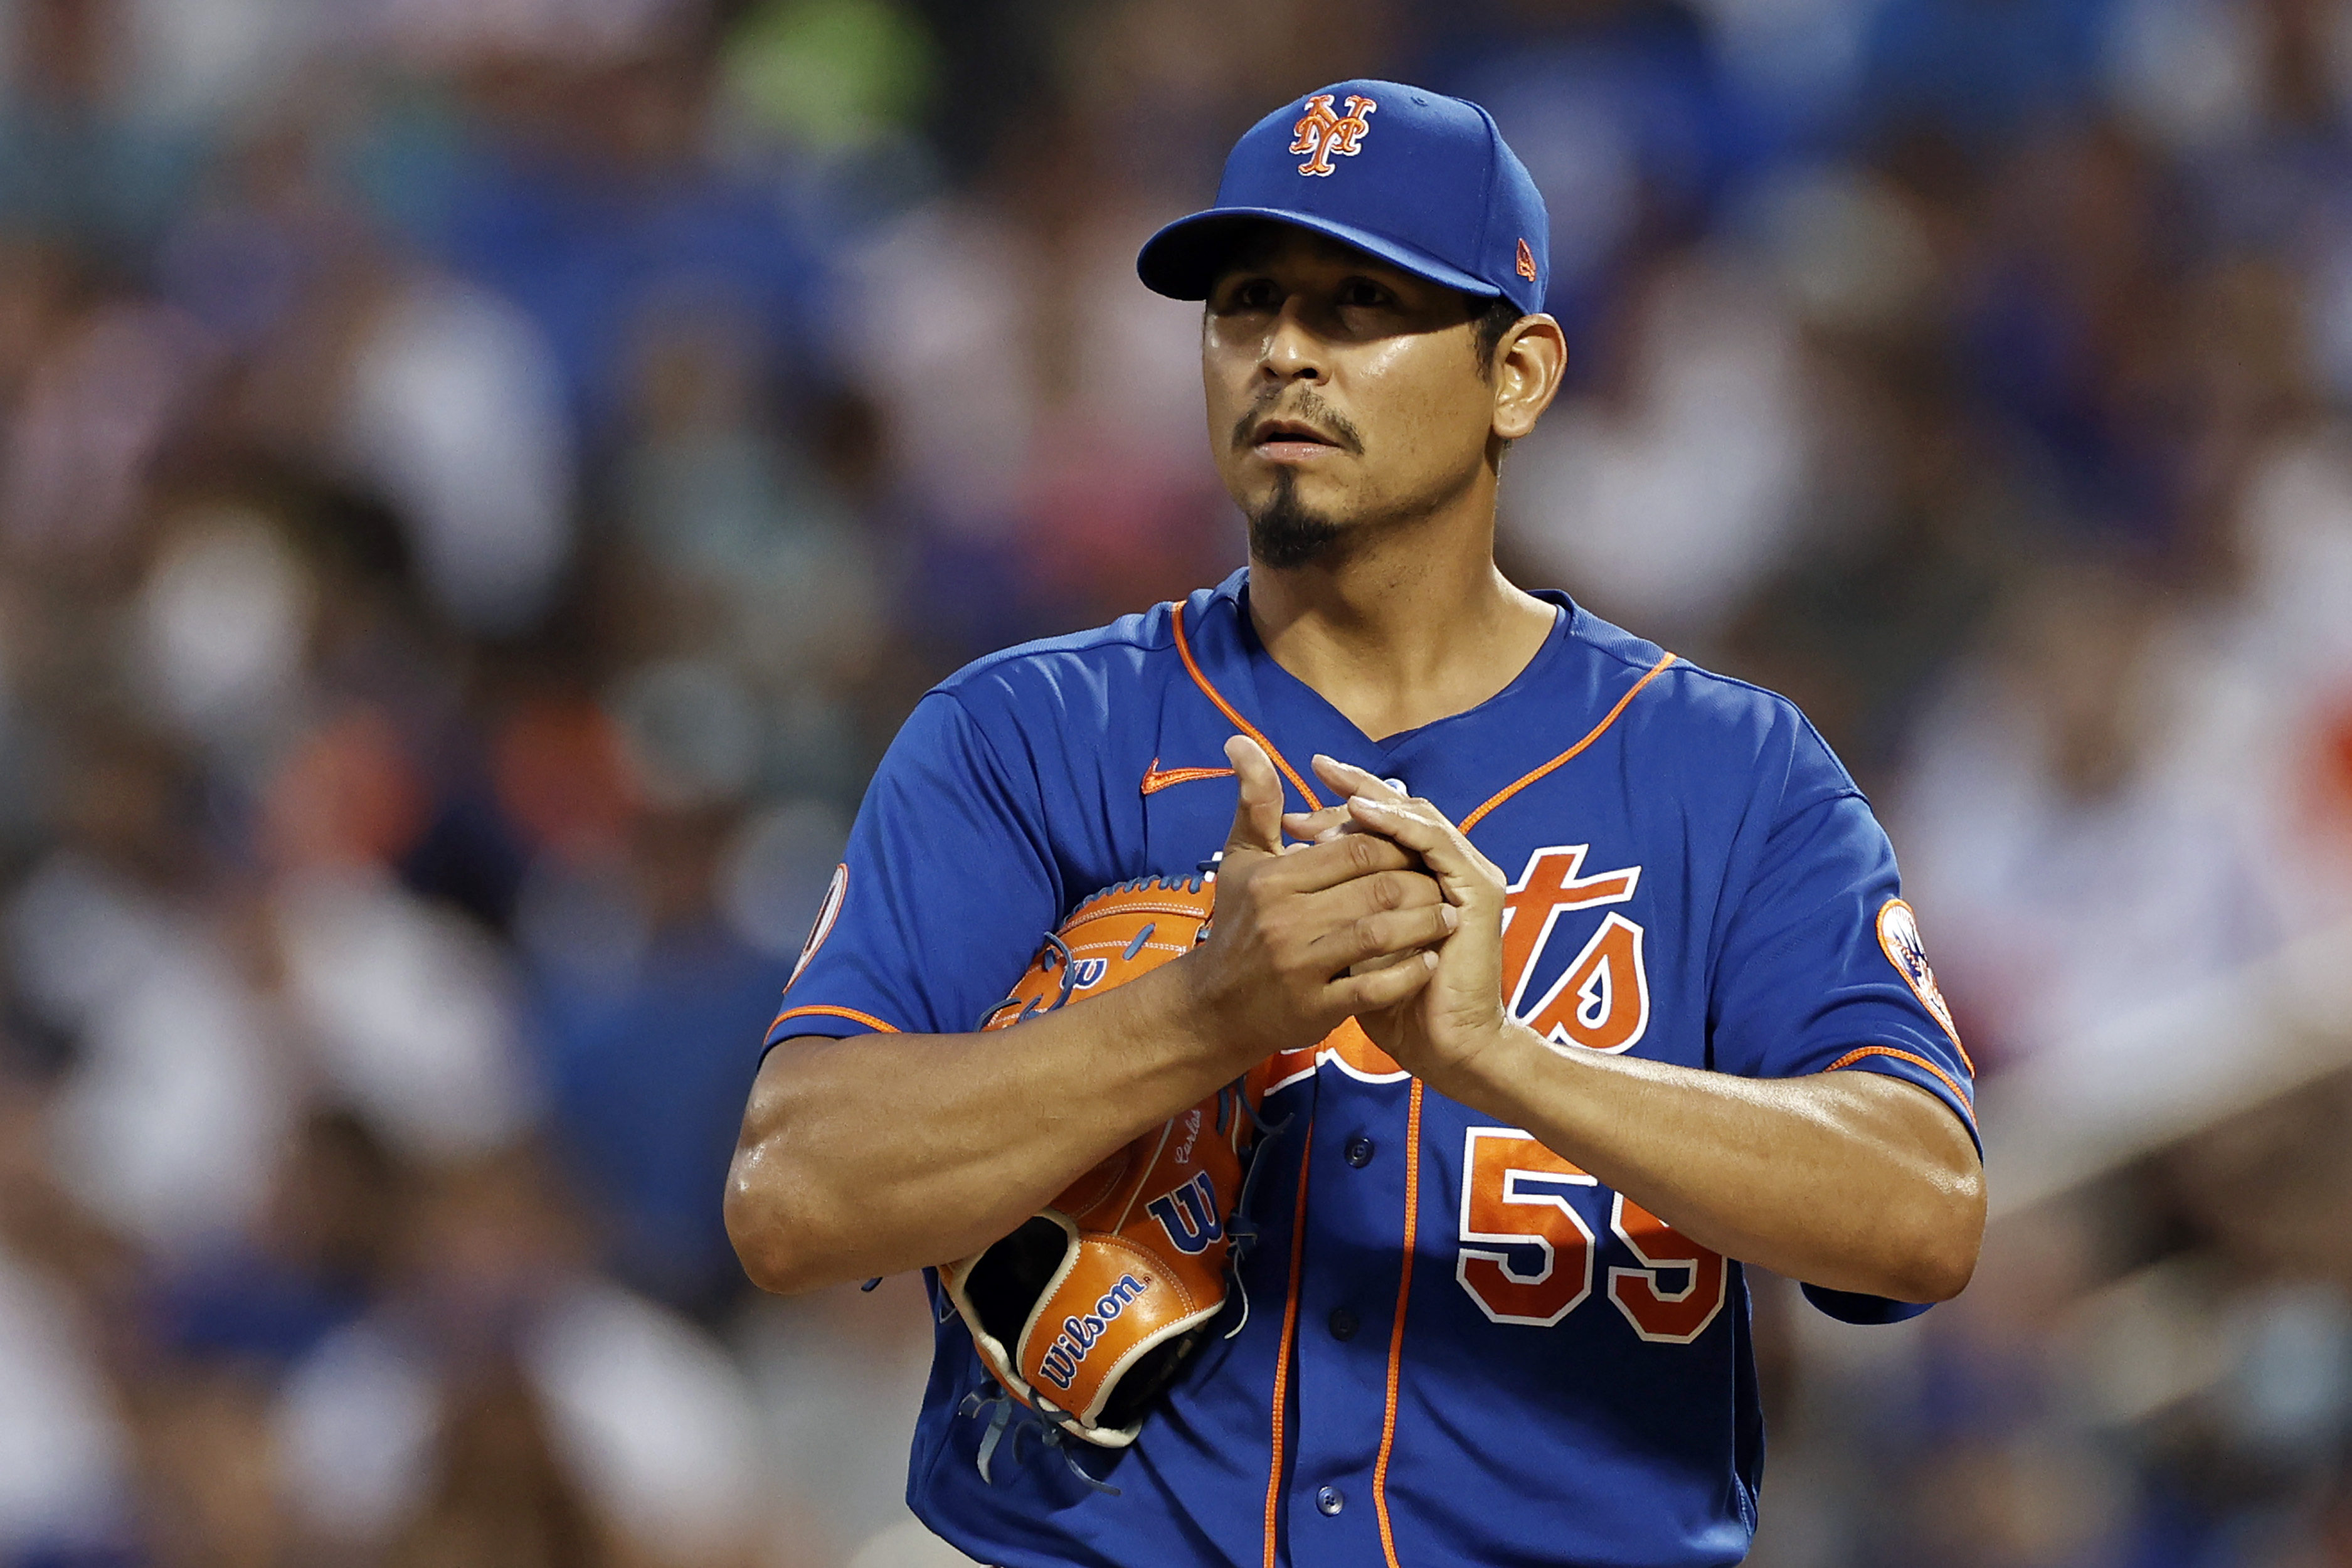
(1307, 409)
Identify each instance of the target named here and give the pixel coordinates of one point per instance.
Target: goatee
(1283, 533)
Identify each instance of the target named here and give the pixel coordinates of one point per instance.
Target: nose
(1292, 352)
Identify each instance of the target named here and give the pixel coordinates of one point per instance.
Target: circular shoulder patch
(826, 914)
(1898, 937)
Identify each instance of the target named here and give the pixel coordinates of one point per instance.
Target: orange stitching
(1856, 1055)
(1184, 652)
(1154, 780)
(1282, 1347)
(824, 1010)
(1472, 820)
(1396, 1331)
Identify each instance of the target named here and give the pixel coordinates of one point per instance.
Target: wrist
(1206, 1024)
(1484, 1067)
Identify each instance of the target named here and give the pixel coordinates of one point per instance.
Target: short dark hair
(1491, 316)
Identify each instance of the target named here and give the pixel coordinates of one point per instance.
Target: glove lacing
(1007, 1414)
(1240, 1225)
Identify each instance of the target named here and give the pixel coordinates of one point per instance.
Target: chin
(1288, 529)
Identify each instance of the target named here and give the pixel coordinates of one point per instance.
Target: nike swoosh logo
(1155, 778)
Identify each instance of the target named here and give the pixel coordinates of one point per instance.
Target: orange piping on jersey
(1396, 1330)
(1599, 730)
(1184, 652)
(1282, 1347)
(1856, 1055)
(824, 1010)
(1155, 779)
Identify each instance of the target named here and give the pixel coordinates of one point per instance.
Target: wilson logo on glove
(1189, 1215)
(1086, 1313)
(1078, 1335)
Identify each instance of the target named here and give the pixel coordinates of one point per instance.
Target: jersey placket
(1350, 1269)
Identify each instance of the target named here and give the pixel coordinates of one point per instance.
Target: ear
(1530, 362)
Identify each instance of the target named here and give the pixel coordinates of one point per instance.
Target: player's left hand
(1443, 1029)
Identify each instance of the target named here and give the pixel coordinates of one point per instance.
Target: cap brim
(1183, 259)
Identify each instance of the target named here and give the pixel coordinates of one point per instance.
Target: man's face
(1342, 391)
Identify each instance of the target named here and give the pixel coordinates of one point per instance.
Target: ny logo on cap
(1323, 135)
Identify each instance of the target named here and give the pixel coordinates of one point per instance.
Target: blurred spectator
(63, 1469)
(641, 1010)
(455, 413)
(498, 1402)
(1604, 496)
(84, 158)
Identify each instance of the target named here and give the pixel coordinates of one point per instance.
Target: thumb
(1257, 817)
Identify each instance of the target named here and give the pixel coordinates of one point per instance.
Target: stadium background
(482, 480)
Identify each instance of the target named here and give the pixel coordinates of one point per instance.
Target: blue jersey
(1460, 1347)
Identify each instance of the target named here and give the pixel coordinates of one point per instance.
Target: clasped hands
(1380, 909)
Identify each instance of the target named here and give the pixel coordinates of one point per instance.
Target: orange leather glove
(1086, 1312)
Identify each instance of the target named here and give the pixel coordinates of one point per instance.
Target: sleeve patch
(1898, 938)
(836, 892)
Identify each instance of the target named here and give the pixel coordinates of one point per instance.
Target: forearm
(1854, 1181)
(890, 1151)
(882, 1153)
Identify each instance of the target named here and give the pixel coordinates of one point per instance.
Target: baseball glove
(1087, 1311)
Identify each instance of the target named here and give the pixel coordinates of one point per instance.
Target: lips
(1288, 431)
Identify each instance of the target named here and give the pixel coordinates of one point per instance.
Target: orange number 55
(1514, 1203)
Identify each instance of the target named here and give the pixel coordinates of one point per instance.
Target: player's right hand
(1290, 925)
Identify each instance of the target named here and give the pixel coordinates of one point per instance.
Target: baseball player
(1580, 975)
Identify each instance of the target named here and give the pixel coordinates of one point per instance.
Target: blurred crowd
(482, 480)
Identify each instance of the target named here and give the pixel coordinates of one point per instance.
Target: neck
(1410, 625)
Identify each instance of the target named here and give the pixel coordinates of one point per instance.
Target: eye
(1364, 294)
(1252, 294)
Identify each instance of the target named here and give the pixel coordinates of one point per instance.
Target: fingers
(1379, 989)
(1464, 873)
(1372, 895)
(1364, 788)
(1319, 933)
(1312, 867)
(1377, 807)
(1257, 815)
(1386, 935)
(1349, 779)
(1421, 827)
(1313, 827)
(1345, 921)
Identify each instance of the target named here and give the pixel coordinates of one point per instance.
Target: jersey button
(1329, 1500)
(1343, 1323)
(1359, 1152)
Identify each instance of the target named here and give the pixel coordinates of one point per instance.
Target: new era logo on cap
(1436, 192)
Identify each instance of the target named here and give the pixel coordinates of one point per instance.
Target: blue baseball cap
(1422, 181)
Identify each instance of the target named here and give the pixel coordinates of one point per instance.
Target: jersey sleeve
(948, 884)
(1822, 969)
